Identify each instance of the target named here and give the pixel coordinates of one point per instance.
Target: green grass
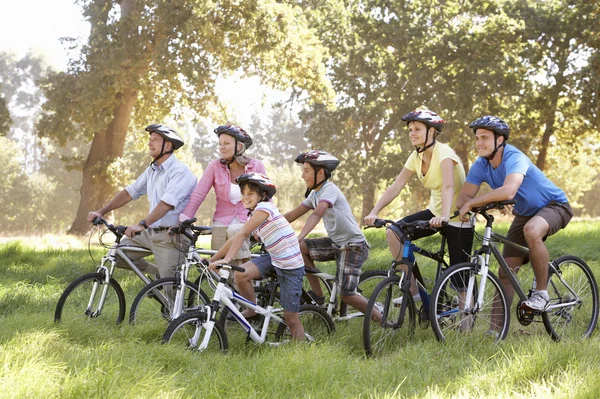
(41, 359)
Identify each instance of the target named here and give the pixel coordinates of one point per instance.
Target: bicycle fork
(104, 291)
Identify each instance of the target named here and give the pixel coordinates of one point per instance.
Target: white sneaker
(539, 301)
(398, 301)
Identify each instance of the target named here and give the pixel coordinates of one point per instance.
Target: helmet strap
(496, 147)
(315, 184)
(162, 152)
(420, 150)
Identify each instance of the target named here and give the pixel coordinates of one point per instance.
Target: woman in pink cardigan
(230, 215)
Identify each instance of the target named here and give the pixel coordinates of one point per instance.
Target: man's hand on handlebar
(92, 215)
(369, 220)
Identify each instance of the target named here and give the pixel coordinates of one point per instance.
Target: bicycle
(469, 298)
(392, 297)
(94, 294)
(195, 329)
(167, 298)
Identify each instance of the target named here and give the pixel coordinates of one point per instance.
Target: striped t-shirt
(279, 238)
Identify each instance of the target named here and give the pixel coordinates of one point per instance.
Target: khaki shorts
(221, 234)
(557, 215)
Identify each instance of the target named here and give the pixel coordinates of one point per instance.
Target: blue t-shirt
(535, 192)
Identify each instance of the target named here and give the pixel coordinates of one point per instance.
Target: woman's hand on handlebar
(213, 263)
(438, 221)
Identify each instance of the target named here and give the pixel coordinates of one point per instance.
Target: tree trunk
(107, 145)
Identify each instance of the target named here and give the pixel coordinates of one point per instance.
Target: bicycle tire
(148, 307)
(187, 331)
(448, 320)
(576, 321)
(366, 284)
(317, 324)
(73, 303)
(388, 333)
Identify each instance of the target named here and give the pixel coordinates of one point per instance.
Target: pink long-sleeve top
(217, 175)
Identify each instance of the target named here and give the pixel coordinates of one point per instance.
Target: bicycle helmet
(430, 119)
(260, 180)
(237, 133)
(496, 125)
(167, 134)
(492, 123)
(319, 160)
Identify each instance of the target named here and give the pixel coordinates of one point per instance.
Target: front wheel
(155, 303)
(316, 322)
(90, 296)
(575, 302)
(452, 317)
(189, 329)
(384, 327)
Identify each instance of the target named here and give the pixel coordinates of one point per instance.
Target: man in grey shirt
(168, 183)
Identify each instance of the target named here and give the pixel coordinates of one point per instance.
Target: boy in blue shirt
(541, 208)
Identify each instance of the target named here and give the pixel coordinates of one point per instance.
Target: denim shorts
(349, 259)
(290, 282)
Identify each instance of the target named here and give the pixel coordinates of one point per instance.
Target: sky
(40, 24)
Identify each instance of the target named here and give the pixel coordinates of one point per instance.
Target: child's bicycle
(200, 329)
(167, 298)
(468, 300)
(392, 297)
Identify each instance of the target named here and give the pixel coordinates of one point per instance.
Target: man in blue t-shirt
(541, 208)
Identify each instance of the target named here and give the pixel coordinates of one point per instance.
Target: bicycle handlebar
(119, 231)
(493, 205)
(232, 267)
(417, 224)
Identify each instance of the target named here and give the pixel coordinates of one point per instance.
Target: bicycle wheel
(154, 304)
(89, 297)
(577, 320)
(389, 332)
(188, 331)
(316, 322)
(325, 288)
(452, 318)
(367, 283)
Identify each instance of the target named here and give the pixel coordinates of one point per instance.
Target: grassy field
(41, 359)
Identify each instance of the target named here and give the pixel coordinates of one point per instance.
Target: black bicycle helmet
(492, 123)
(262, 181)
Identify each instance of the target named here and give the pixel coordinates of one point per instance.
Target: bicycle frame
(225, 296)
(483, 257)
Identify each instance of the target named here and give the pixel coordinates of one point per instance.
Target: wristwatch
(143, 224)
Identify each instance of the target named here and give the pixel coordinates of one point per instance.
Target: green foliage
(5, 119)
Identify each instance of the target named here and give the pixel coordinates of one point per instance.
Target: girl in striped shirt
(281, 244)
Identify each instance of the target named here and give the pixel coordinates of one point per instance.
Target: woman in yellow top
(440, 170)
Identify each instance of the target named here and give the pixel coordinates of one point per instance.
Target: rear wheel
(89, 297)
(155, 303)
(579, 319)
(189, 329)
(452, 318)
(316, 322)
(382, 328)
